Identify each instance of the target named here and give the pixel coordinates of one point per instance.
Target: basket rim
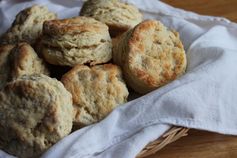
(170, 136)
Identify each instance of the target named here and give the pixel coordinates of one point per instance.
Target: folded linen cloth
(204, 98)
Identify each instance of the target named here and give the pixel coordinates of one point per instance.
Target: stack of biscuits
(101, 52)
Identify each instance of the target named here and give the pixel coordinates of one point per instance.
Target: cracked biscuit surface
(36, 112)
(96, 91)
(18, 60)
(78, 40)
(150, 56)
(27, 26)
(117, 15)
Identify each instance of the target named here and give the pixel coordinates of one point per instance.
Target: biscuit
(117, 15)
(25, 61)
(79, 40)
(150, 56)
(96, 91)
(36, 112)
(19, 60)
(27, 26)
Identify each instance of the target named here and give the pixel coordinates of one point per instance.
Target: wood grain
(200, 144)
(224, 8)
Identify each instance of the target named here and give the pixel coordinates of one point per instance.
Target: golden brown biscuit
(96, 91)
(19, 60)
(117, 15)
(78, 40)
(24, 61)
(36, 112)
(150, 56)
(27, 26)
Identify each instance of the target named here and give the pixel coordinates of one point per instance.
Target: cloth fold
(204, 98)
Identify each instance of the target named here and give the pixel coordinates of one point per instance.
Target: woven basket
(170, 136)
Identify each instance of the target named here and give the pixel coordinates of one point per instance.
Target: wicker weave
(170, 136)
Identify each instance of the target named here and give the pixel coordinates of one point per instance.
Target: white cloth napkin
(204, 98)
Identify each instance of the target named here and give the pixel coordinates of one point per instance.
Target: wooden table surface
(200, 144)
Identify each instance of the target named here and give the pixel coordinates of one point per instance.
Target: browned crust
(27, 25)
(172, 62)
(105, 79)
(73, 25)
(22, 54)
(135, 44)
(73, 71)
(115, 27)
(32, 121)
(67, 77)
(67, 81)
